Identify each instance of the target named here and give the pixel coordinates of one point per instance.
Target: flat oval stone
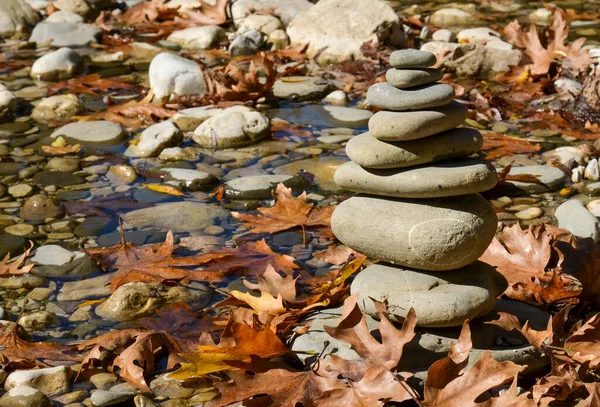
(427, 234)
(99, 132)
(369, 152)
(440, 299)
(403, 126)
(385, 96)
(412, 58)
(431, 181)
(406, 78)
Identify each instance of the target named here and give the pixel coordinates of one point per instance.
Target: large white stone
(173, 74)
(65, 34)
(16, 16)
(198, 38)
(64, 63)
(336, 29)
(154, 139)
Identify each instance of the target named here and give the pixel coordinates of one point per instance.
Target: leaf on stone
(16, 266)
(239, 343)
(17, 353)
(288, 212)
(66, 149)
(498, 145)
(449, 385)
(337, 255)
(248, 259)
(132, 114)
(353, 329)
(150, 263)
(527, 260)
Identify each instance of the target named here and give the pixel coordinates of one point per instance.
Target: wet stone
(321, 168)
(58, 178)
(301, 88)
(21, 229)
(72, 195)
(11, 168)
(56, 261)
(260, 186)
(324, 116)
(20, 190)
(94, 226)
(91, 133)
(24, 396)
(40, 207)
(10, 244)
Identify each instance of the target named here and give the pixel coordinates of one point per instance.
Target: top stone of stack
(411, 84)
(412, 58)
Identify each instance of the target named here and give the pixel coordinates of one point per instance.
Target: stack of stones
(419, 210)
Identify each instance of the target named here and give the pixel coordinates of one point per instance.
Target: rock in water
(386, 96)
(403, 126)
(100, 132)
(170, 73)
(577, 219)
(64, 63)
(427, 234)
(441, 299)
(369, 152)
(429, 181)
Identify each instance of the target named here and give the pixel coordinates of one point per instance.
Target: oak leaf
(248, 259)
(21, 354)
(449, 385)
(287, 212)
(136, 353)
(132, 114)
(15, 266)
(353, 329)
(62, 150)
(527, 260)
(144, 12)
(498, 145)
(337, 255)
(92, 84)
(273, 283)
(239, 343)
(211, 13)
(542, 57)
(150, 263)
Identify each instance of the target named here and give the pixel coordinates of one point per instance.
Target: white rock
(577, 219)
(594, 207)
(479, 34)
(173, 74)
(51, 381)
(16, 16)
(65, 34)
(24, 396)
(190, 119)
(64, 16)
(198, 38)
(247, 43)
(336, 98)
(336, 29)
(264, 23)
(64, 63)
(453, 17)
(75, 6)
(591, 171)
(278, 40)
(233, 127)
(443, 35)
(7, 102)
(154, 139)
(285, 9)
(577, 174)
(497, 43)
(541, 15)
(439, 47)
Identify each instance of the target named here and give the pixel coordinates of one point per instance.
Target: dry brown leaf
(275, 284)
(150, 263)
(92, 84)
(67, 149)
(337, 255)
(524, 257)
(498, 145)
(288, 212)
(211, 13)
(132, 114)
(15, 266)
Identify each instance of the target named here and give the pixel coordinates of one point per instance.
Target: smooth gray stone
(407, 78)
(101, 398)
(385, 96)
(369, 152)
(412, 58)
(99, 132)
(177, 216)
(550, 179)
(427, 234)
(65, 34)
(404, 126)
(430, 181)
(577, 219)
(261, 186)
(440, 299)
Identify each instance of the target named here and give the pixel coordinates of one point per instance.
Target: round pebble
(529, 213)
(21, 229)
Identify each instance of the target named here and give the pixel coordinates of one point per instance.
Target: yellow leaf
(205, 363)
(89, 302)
(265, 303)
(59, 142)
(164, 189)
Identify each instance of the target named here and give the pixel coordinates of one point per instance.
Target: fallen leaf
(211, 13)
(66, 149)
(287, 212)
(276, 285)
(164, 189)
(337, 255)
(15, 266)
(525, 258)
(150, 263)
(94, 85)
(498, 145)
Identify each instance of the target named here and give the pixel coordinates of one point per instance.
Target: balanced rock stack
(419, 209)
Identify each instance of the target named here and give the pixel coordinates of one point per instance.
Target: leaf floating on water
(164, 189)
